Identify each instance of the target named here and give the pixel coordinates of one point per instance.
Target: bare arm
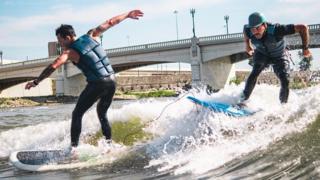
(304, 33)
(96, 32)
(49, 70)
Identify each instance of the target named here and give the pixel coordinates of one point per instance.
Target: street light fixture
(177, 30)
(226, 18)
(1, 57)
(192, 11)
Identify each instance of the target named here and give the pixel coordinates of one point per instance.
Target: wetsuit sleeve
(283, 30)
(45, 73)
(246, 30)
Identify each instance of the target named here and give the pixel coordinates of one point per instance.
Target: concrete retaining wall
(135, 81)
(45, 88)
(269, 77)
(158, 80)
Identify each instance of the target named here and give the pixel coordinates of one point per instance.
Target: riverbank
(51, 100)
(35, 101)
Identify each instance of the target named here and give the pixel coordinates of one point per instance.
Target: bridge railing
(26, 63)
(314, 26)
(160, 46)
(149, 47)
(221, 37)
(184, 43)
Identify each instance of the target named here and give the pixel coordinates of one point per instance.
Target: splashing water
(196, 140)
(188, 138)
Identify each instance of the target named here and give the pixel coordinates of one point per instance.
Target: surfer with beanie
(88, 55)
(270, 49)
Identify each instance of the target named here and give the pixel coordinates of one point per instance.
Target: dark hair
(65, 30)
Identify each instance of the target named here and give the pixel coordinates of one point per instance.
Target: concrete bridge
(211, 60)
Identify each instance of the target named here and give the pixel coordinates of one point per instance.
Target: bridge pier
(60, 80)
(59, 86)
(195, 56)
(214, 73)
(217, 73)
(69, 86)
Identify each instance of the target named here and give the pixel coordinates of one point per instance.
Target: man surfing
(88, 55)
(270, 49)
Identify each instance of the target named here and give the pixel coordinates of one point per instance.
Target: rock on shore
(16, 102)
(35, 101)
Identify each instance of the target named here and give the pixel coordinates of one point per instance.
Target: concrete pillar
(60, 80)
(195, 56)
(216, 72)
(74, 85)
(59, 86)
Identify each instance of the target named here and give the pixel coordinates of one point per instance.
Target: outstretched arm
(96, 32)
(49, 70)
(304, 33)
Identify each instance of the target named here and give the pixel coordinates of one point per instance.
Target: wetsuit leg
(260, 62)
(281, 68)
(86, 99)
(103, 106)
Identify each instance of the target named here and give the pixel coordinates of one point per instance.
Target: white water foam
(188, 138)
(56, 134)
(199, 140)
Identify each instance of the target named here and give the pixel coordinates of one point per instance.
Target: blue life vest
(93, 61)
(270, 45)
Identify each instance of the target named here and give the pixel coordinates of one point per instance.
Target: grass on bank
(301, 84)
(20, 102)
(16, 102)
(295, 83)
(159, 93)
(127, 133)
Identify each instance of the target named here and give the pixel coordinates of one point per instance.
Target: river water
(190, 142)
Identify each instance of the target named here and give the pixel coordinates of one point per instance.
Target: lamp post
(226, 18)
(1, 57)
(177, 30)
(192, 11)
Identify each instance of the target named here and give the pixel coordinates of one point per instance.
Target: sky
(28, 25)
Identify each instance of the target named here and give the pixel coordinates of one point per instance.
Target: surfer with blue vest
(270, 49)
(88, 55)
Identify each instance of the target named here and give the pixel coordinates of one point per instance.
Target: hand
(306, 53)
(250, 51)
(30, 85)
(135, 14)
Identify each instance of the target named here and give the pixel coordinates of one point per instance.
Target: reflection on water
(24, 116)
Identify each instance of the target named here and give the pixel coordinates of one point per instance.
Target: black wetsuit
(270, 50)
(101, 85)
(100, 90)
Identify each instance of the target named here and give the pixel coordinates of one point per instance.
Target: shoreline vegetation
(51, 100)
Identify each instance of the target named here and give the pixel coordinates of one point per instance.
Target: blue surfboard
(219, 107)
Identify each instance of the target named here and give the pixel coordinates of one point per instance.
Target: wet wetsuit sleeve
(283, 30)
